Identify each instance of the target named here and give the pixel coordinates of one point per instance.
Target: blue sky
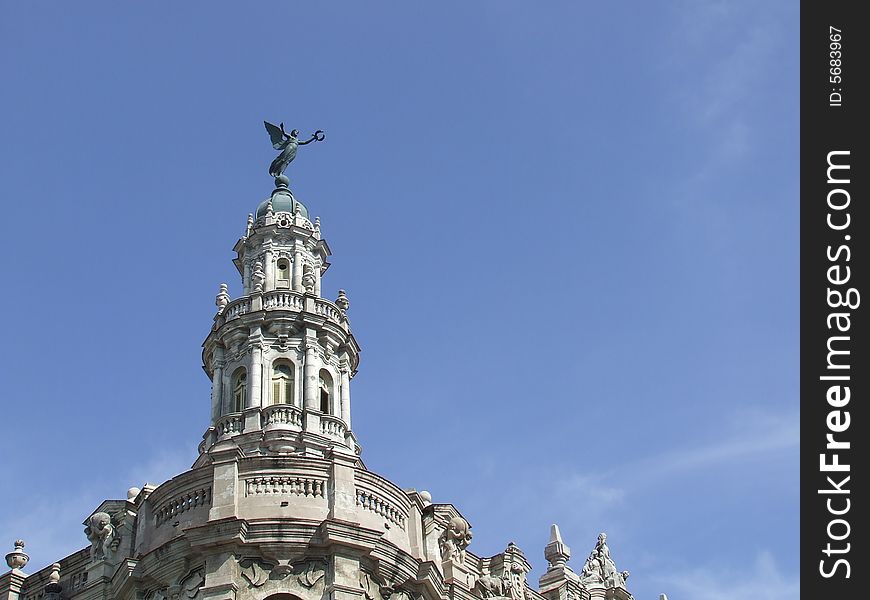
(569, 235)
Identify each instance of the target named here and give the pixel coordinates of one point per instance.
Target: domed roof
(282, 201)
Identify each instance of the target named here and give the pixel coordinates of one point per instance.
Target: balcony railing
(282, 415)
(282, 299)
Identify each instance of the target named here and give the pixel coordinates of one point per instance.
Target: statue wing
(276, 135)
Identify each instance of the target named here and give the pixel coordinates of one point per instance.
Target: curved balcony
(282, 416)
(230, 425)
(332, 427)
(281, 299)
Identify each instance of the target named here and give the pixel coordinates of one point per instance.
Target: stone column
(217, 383)
(345, 394)
(246, 280)
(269, 267)
(297, 269)
(256, 378)
(311, 391)
(317, 279)
(311, 371)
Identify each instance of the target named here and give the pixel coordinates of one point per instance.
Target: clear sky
(568, 232)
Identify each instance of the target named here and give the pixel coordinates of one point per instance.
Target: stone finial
(342, 302)
(258, 277)
(132, 493)
(663, 597)
(556, 552)
(270, 210)
(17, 559)
(250, 225)
(425, 496)
(221, 301)
(53, 589)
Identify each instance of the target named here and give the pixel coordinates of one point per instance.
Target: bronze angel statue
(287, 143)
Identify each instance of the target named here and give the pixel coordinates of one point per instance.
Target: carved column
(217, 381)
(311, 371)
(311, 389)
(269, 267)
(246, 280)
(317, 279)
(345, 393)
(256, 379)
(297, 269)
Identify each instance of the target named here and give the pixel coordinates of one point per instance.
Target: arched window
(239, 388)
(282, 382)
(325, 390)
(282, 278)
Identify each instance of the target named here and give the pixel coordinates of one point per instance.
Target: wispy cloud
(759, 435)
(51, 526)
(752, 435)
(761, 580)
(734, 54)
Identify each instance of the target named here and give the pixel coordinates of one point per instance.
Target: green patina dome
(282, 202)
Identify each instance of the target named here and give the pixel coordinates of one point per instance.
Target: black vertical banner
(835, 227)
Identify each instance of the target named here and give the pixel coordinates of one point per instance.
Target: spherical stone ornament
(282, 181)
(17, 559)
(134, 491)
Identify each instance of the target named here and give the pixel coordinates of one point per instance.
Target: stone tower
(278, 505)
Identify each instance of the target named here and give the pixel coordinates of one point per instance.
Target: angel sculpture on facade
(287, 143)
(102, 532)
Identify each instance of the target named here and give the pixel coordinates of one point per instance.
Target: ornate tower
(280, 356)
(278, 504)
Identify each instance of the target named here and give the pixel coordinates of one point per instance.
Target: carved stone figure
(489, 586)
(102, 534)
(258, 277)
(600, 568)
(455, 539)
(342, 302)
(287, 143)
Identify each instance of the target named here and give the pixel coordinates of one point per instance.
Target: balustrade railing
(285, 484)
(230, 425)
(283, 299)
(237, 308)
(378, 505)
(332, 427)
(282, 414)
(183, 503)
(328, 309)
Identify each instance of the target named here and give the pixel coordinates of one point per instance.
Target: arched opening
(326, 391)
(239, 387)
(282, 278)
(283, 382)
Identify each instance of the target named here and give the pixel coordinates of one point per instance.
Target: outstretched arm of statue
(316, 137)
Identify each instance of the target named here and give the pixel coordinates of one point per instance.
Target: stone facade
(278, 504)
